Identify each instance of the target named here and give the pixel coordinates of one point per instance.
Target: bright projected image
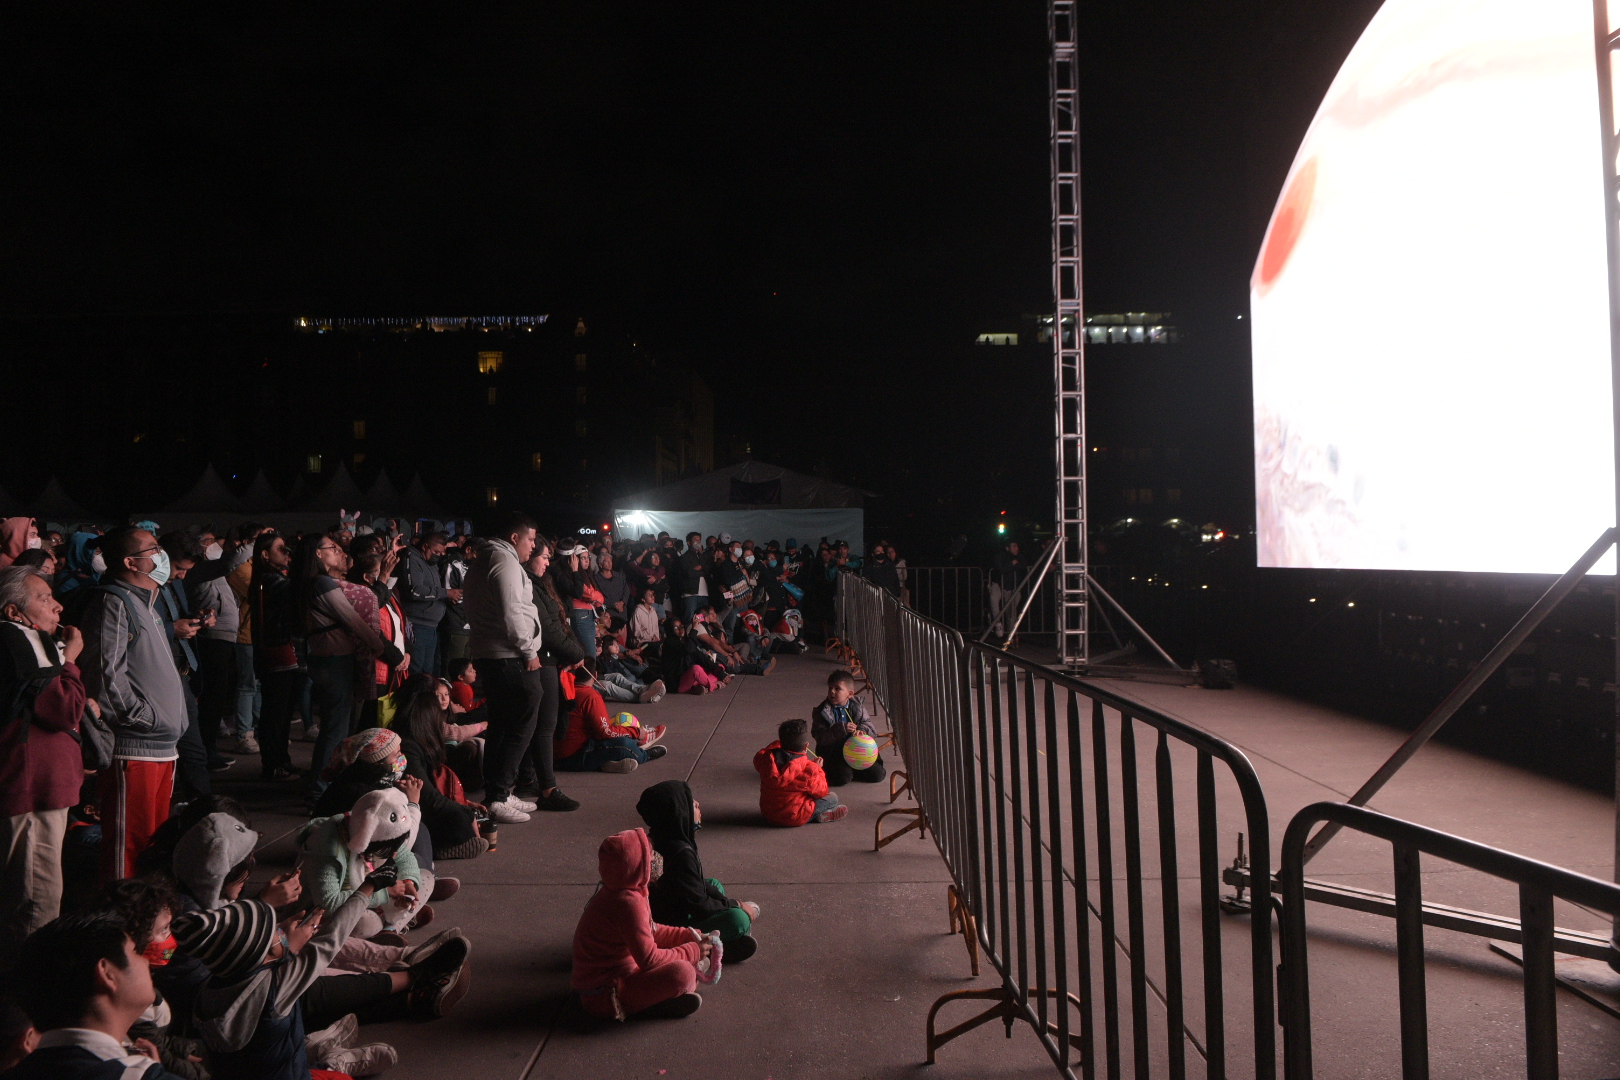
(1430, 305)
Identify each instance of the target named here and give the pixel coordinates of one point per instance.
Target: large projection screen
(1430, 313)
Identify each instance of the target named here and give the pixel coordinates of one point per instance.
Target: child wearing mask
(792, 786)
(626, 966)
(342, 851)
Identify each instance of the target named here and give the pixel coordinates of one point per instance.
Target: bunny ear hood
(207, 852)
(379, 815)
(625, 860)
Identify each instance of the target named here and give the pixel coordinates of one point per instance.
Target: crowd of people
(422, 671)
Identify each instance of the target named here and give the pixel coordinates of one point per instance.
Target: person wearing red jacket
(626, 965)
(41, 766)
(587, 741)
(792, 785)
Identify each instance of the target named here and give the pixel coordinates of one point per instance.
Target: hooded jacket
(827, 726)
(421, 593)
(208, 852)
(501, 617)
(208, 585)
(129, 669)
(13, 538)
(683, 895)
(790, 782)
(335, 861)
(616, 936)
(41, 767)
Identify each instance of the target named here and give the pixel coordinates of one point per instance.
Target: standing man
(280, 670)
(692, 577)
(1005, 573)
(130, 671)
(422, 594)
(208, 589)
(41, 767)
(504, 641)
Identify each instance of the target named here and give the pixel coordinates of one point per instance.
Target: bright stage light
(1430, 305)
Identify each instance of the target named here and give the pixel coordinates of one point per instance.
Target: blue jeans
(598, 752)
(332, 692)
(584, 623)
(249, 701)
(690, 605)
(824, 804)
(424, 649)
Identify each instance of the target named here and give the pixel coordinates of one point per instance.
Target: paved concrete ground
(853, 943)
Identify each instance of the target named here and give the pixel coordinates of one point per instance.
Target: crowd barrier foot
(896, 792)
(1006, 1009)
(918, 821)
(963, 922)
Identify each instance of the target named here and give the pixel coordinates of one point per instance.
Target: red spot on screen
(1292, 211)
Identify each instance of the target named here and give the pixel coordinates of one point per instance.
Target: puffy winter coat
(790, 782)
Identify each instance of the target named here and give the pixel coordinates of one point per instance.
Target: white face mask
(35, 543)
(737, 551)
(213, 551)
(749, 559)
(98, 563)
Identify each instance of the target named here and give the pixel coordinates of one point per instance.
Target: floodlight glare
(1430, 304)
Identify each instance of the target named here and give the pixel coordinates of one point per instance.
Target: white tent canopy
(750, 501)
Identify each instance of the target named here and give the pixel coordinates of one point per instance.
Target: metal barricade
(1539, 883)
(953, 595)
(1031, 784)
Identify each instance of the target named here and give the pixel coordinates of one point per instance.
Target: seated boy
(833, 722)
(587, 741)
(792, 786)
(622, 678)
(463, 688)
(87, 984)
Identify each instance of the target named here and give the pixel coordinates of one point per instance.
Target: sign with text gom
(1430, 305)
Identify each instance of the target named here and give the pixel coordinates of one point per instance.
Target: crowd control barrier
(1061, 842)
(1538, 883)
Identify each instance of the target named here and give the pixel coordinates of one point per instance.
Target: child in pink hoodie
(626, 965)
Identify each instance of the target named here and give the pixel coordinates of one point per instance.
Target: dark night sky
(801, 199)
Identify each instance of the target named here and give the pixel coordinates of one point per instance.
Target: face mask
(35, 543)
(213, 551)
(158, 953)
(770, 562)
(749, 559)
(160, 567)
(98, 563)
(737, 552)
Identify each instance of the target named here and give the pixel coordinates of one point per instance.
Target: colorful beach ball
(860, 750)
(627, 721)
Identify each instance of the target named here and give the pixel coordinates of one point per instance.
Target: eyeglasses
(146, 554)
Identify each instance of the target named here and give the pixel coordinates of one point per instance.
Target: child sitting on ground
(684, 896)
(835, 720)
(792, 785)
(463, 687)
(587, 740)
(626, 965)
(343, 850)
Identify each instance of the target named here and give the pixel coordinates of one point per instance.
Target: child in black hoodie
(683, 896)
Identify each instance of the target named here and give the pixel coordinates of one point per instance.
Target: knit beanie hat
(231, 941)
(379, 815)
(207, 852)
(377, 745)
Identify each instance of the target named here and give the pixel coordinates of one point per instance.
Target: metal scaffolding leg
(1068, 340)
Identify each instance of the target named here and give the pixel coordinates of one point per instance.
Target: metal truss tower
(1068, 341)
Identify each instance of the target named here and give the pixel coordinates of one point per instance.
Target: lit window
(581, 428)
(1097, 335)
(998, 339)
(536, 461)
(359, 429)
(579, 327)
(490, 362)
(579, 362)
(1138, 334)
(313, 463)
(491, 395)
(492, 495)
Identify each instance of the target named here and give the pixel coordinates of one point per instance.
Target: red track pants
(134, 802)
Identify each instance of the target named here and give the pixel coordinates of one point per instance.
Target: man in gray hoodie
(129, 669)
(504, 640)
(422, 595)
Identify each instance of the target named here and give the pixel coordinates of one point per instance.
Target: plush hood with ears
(380, 815)
(667, 809)
(625, 860)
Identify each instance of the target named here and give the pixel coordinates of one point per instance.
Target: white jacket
(503, 621)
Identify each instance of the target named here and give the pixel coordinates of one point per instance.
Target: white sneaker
(247, 744)
(507, 813)
(320, 1045)
(525, 805)
(658, 690)
(368, 1060)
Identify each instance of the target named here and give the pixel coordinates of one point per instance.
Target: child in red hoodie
(792, 785)
(587, 740)
(626, 965)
